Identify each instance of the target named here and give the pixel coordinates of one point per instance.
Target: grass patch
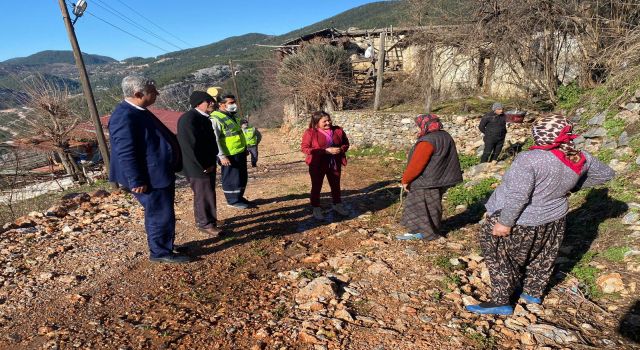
(279, 312)
(377, 151)
(615, 254)
(621, 189)
(460, 194)
(480, 340)
(467, 161)
(587, 276)
(605, 155)
(239, 261)
(614, 126)
(308, 274)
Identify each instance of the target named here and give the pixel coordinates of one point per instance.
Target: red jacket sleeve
(307, 144)
(419, 160)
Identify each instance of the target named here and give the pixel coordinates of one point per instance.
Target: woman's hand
(405, 187)
(500, 230)
(333, 150)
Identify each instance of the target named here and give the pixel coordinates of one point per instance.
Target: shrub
(569, 96)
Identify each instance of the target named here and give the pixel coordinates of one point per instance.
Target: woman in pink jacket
(325, 146)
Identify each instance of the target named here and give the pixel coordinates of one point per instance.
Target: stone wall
(397, 131)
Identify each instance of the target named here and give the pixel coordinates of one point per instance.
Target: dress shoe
(239, 205)
(180, 249)
(211, 231)
(172, 259)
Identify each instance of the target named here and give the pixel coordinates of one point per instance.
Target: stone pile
(46, 251)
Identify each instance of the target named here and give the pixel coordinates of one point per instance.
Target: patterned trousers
(526, 256)
(423, 211)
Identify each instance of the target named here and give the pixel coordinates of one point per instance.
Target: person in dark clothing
(494, 127)
(432, 168)
(199, 150)
(145, 155)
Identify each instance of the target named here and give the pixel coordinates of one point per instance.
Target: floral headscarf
(553, 133)
(428, 123)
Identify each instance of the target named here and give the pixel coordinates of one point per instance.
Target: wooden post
(428, 78)
(235, 88)
(379, 78)
(86, 85)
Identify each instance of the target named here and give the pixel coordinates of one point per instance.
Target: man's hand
(141, 189)
(225, 161)
(210, 169)
(500, 230)
(405, 187)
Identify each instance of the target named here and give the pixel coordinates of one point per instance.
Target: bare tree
(318, 74)
(52, 120)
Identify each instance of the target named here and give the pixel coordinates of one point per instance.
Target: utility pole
(86, 85)
(235, 88)
(379, 78)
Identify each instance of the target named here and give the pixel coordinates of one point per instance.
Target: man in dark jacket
(145, 154)
(494, 127)
(199, 151)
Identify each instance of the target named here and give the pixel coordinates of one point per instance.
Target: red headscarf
(428, 123)
(553, 133)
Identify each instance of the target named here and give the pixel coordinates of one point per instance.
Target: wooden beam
(380, 78)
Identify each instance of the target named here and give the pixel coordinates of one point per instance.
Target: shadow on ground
(583, 225)
(289, 219)
(630, 324)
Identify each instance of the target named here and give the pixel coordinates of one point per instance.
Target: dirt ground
(241, 291)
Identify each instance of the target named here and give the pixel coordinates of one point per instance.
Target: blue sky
(30, 26)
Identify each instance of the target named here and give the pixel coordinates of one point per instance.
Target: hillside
(54, 56)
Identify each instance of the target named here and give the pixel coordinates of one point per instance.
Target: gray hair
(135, 83)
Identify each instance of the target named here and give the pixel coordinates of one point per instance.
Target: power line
(132, 22)
(150, 21)
(133, 35)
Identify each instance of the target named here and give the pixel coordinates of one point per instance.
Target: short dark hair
(315, 118)
(223, 98)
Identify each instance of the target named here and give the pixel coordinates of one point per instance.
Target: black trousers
(492, 149)
(234, 178)
(204, 200)
(253, 150)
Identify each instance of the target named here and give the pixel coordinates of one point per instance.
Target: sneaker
(239, 205)
(410, 236)
(529, 299)
(317, 213)
(490, 309)
(340, 209)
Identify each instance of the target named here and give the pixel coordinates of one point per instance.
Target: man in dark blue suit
(145, 155)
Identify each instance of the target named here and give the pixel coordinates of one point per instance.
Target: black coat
(197, 142)
(493, 126)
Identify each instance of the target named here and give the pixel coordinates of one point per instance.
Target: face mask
(232, 108)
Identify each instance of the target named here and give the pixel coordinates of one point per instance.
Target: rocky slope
(77, 275)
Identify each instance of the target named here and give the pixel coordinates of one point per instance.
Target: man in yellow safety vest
(253, 138)
(232, 152)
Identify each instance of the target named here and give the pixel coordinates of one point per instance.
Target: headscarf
(428, 123)
(553, 133)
